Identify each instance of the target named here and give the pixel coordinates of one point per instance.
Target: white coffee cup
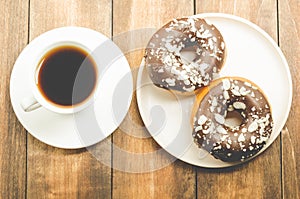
(37, 99)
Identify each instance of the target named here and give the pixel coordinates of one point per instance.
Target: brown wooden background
(31, 169)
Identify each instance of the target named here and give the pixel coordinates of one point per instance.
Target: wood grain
(13, 38)
(58, 173)
(289, 35)
(251, 180)
(178, 179)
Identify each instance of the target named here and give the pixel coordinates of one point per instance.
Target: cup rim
(61, 109)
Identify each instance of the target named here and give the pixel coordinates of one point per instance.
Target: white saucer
(251, 54)
(94, 123)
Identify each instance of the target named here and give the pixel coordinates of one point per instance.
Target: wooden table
(31, 169)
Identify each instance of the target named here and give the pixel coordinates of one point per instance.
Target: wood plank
(58, 173)
(251, 179)
(289, 35)
(178, 179)
(13, 38)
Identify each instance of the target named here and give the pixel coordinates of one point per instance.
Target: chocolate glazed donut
(185, 55)
(225, 98)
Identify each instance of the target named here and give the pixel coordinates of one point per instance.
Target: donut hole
(233, 119)
(188, 55)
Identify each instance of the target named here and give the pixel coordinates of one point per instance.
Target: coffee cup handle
(30, 104)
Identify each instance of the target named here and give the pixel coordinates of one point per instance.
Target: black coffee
(67, 75)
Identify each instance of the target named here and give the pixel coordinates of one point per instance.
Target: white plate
(94, 123)
(251, 54)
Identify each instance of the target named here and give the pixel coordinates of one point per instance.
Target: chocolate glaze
(169, 69)
(232, 143)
